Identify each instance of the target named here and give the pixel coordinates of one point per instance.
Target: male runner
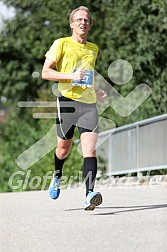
(74, 59)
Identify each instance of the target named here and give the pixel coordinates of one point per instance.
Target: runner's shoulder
(62, 40)
(92, 46)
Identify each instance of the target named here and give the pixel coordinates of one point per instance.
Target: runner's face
(81, 23)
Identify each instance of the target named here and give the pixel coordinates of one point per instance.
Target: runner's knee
(88, 151)
(62, 152)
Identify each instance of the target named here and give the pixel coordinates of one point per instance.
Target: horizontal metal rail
(137, 147)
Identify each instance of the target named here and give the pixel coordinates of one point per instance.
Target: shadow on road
(126, 209)
(132, 209)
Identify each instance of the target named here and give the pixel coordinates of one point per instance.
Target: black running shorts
(72, 113)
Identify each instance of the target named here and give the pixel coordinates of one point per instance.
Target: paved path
(130, 219)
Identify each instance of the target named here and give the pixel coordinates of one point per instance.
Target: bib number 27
(87, 80)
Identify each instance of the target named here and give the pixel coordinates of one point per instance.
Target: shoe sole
(95, 201)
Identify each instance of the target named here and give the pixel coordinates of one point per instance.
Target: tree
(130, 30)
(136, 32)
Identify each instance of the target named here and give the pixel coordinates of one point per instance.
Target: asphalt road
(132, 218)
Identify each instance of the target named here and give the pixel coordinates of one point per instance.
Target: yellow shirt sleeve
(55, 51)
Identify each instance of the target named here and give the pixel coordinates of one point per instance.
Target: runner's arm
(48, 73)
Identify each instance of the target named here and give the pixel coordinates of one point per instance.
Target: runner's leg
(88, 144)
(61, 152)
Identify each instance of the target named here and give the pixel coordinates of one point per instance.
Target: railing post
(109, 165)
(139, 173)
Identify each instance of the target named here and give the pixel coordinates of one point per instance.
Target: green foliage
(130, 30)
(136, 32)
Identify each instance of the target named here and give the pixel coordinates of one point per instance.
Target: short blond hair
(71, 17)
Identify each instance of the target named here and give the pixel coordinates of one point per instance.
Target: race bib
(87, 81)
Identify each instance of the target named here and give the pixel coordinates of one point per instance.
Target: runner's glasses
(79, 20)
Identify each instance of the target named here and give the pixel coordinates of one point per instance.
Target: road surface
(131, 218)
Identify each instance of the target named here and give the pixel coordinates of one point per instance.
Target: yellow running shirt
(70, 55)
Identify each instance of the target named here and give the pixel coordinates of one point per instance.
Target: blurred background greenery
(126, 29)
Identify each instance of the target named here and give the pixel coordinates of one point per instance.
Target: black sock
(58, 166)
(89, 172)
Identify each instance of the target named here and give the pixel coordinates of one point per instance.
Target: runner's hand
(79, 74)
(101, 95)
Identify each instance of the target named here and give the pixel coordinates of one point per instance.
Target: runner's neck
(79, 39)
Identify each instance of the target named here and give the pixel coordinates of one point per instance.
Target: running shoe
(93, 199)
(54, 188)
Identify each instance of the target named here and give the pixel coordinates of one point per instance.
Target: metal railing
(137, 147)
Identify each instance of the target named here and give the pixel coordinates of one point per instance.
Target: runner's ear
(71, 25)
